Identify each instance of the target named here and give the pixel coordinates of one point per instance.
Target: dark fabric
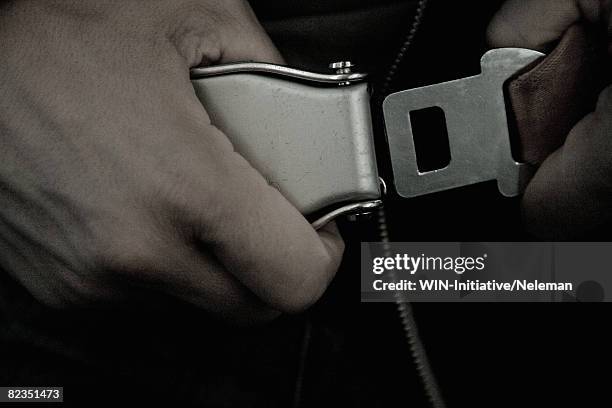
(283, 9)
(159, 352)
(367, 36)
(549, 99)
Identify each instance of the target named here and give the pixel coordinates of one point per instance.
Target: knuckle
(204, 32)
(201, 195)
(71, 289)
(190, 201)
(194, 29)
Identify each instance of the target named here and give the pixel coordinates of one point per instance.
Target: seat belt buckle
(311, 134)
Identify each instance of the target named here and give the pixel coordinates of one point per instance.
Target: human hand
(113, 177)
(571, 193)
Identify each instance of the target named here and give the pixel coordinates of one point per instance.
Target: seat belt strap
(549, 99)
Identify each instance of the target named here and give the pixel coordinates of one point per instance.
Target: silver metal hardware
(310, 134)
(383, 186)
(477, 125)
(342, 67)
(350, 210)
(309, 137)
(277, 71)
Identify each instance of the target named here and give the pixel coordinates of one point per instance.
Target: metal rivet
(342, 67)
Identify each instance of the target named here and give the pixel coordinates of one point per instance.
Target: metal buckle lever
(309, 134)
(477, 125)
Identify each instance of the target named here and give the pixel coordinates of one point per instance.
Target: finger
(537, 24)
(192, 275)
(258, 236)
(252, 230)
(572, 191)
(226, 33)
(248, 41)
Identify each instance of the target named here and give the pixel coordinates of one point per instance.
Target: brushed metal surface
(314, 143)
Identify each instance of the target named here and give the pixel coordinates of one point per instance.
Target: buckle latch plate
(477, 125)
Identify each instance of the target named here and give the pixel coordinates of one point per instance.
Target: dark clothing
(356, 354)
